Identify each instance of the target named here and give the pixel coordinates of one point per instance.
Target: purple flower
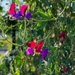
(17, 15)
(44, 53)
(28, 15)
(29, 51)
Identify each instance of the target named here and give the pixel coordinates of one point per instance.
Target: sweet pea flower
(28, 15)
(66, 69)
(31, 44)
(38, 49)
(17, 15)
(39, 46)
(23, 9)
(29, 51)
(44, 53)
(12, 9)
(62, 34)
(21, 12)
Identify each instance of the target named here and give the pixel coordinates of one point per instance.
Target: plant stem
(13, 37)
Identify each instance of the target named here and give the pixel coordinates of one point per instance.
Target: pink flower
(21, 12)
(12, 9)
(23, 9)
(29, 51)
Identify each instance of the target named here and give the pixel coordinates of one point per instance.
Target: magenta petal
(29, 51)
(23, 9)
(44, 53)
(28, 15)
(12, 9)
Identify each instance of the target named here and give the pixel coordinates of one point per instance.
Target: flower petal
(66, 69)
(28, 15)
(44, 53)
(12, 9)
(39, 46)
(31, 44)
(43, 58)
(17, 15)
(62, 34)
(29, 51)
(23, 9)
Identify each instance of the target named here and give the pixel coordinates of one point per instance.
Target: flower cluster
(20, 13)
(34, 48)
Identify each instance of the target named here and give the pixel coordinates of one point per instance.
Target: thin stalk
(25, 28)
(13, 37)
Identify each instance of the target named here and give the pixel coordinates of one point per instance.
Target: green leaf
(18, 61)
(20, 26)
(42, 15)
(41, 25)
(17, 72)
(49, 12)
(1, 9)
(17, 1)
(73, 6)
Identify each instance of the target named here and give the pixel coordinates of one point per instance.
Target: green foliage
(49, 19)
(1, 9)
(42, 15)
